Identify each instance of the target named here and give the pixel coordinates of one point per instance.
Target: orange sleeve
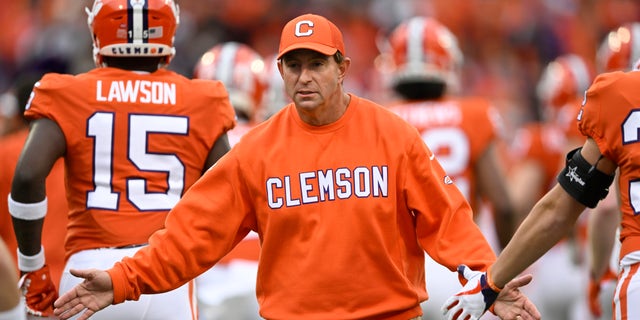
(592, 121)
(444, 219)
(192, 242)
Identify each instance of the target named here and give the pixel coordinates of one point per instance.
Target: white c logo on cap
(299, 25)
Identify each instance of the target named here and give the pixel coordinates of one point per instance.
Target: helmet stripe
(415, 38)
(226, 63)
(137, 21)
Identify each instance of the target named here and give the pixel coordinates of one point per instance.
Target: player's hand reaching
(38, 291)
(92, 295)
(479, 295)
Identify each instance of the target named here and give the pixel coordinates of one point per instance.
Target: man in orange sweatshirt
(344, 195)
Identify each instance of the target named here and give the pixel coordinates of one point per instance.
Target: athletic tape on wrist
(27, 211)
(31, 263)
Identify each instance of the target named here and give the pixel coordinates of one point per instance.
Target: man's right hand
(474, 299)
(92, 295)
(480, 294)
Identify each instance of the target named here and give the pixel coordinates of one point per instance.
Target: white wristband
(31, 263)
(27, 211)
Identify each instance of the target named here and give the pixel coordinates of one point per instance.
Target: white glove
(474, 299)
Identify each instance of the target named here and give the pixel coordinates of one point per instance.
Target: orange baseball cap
(310, 31)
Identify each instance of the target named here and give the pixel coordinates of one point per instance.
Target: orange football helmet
(620, 49)
(240, 68)
(133, 28)
(564, 80)
(424, 50)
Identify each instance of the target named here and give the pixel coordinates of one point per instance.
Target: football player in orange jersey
(464, 133)
(619, 51)
(134, 137)
(11, 307)
(537, 152)
(228, 290)
(610, 121)
(344, 195)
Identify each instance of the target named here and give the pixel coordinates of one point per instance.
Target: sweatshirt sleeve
(444, 220)
(209, 220)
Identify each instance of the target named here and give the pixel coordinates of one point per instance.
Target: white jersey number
(630, 129)
(101, 129)
(456, 159)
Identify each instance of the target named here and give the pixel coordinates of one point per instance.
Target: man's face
(311, 79)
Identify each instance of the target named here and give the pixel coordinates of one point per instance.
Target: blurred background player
(240, 69)
(54, 229)
(134, 136)
(463, 133)
(274, 98)
(228, 290)
(618, 51)
(538, 153)
(11, 307)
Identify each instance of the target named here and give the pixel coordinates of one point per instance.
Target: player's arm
(583, 182)
(555, 214)
(28, 207)
(493, 186)
(44, 145)
(220, 148)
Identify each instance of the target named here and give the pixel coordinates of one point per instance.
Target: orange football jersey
(135, 143)
(611, 116)
(55, 223)
(458, 130)
(343, 211)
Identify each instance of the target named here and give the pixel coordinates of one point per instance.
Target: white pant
(228, 291)
(176, 304)
(627, 292)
